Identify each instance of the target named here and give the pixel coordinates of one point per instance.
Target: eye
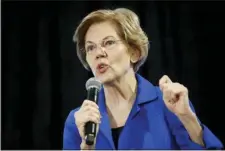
(109, 42)
(90, 48)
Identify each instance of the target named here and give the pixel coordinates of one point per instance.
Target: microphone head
(93, 82)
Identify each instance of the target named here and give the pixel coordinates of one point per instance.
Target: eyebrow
(102, 39)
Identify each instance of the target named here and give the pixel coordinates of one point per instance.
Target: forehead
(99, 31)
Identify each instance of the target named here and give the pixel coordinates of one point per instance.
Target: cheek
(90, 62)
(121, 59)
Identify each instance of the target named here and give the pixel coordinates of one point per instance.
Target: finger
(89, 103)
(174, 96)
(97, 116)
(168, 99)
(166, 93)
(164, 79)
(92, 109)
(183, 89)
(92, 118)
(85, 103)
(165, 86)
(175, 90)
(178, 88)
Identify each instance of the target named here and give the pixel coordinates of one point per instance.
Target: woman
(131, 113)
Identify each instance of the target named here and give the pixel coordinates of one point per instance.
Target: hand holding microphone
(87, 118)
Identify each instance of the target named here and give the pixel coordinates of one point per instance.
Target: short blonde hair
(128, 28)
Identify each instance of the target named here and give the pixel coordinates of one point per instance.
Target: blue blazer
(150, 125)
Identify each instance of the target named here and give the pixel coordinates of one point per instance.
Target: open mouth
(101, 68)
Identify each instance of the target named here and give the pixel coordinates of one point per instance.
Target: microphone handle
(90, 127)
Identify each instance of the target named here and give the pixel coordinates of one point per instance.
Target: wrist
(189, 115)
(188, 119)
(193, 127)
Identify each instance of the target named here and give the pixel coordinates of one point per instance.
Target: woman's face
(106, 54)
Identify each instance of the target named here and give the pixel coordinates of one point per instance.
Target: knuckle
(88, 118)
(91, 108)
(96, 108)
(89, 113)
(95, 105)
(97, 115)
(166, 77)
(98, 111)
(185, 89)
(88, 102)
(85, 102)
(88, 108)
(177, 83)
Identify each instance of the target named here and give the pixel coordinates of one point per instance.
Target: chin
(106, 78)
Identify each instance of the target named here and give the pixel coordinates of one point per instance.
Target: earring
(132, 59)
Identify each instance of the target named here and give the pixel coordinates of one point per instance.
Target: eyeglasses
(108, 44)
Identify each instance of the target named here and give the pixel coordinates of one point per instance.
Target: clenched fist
(175, 96)
(89, 111)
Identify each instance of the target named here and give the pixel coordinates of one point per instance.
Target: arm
(193, 128)
(190, 133)
(180, 115)
(71, 137)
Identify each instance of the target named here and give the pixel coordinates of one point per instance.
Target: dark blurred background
(43, 79)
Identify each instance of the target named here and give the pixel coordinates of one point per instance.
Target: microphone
(93, 87)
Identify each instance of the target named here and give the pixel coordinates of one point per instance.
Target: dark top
(115, 134)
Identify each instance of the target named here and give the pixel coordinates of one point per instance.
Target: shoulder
(70, 119)
(71, 137)
(147, 91)
(69, 124)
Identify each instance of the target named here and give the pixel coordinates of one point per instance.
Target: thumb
(164, 80)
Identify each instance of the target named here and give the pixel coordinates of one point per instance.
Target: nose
(100, 53)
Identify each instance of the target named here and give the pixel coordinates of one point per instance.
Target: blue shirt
(150, 125)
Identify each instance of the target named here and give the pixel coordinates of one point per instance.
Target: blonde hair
(128, 28)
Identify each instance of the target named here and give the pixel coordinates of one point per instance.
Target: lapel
(146, 92)
(104, 126)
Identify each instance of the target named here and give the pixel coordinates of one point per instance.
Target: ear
(135, 55)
